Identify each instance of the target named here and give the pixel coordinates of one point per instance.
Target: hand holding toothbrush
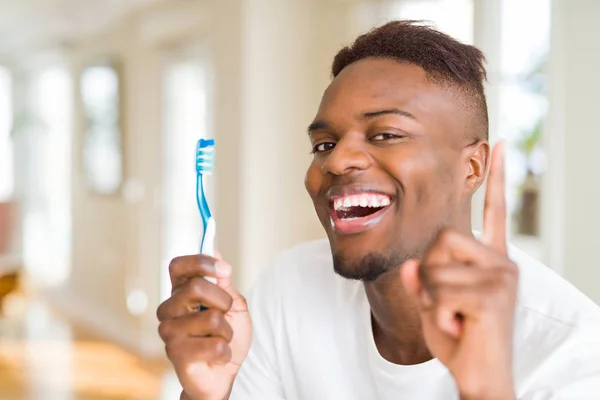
(206, 348)
(205, 323)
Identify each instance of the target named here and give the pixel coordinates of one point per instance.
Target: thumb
(239, 302)
(224, 279)
(409, 275)
(227, 285)
(224, 282)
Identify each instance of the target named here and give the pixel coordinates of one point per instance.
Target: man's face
(387, 170)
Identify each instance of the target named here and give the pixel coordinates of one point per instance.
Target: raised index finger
(494, 211)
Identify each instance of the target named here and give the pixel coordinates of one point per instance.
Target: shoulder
(557, 333)
(544, 293)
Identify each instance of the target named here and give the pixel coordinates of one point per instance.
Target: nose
(347, 157)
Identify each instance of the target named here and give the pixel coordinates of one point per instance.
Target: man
(418, 306)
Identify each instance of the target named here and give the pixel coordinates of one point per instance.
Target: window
(100, 92)
(523, 105)
(47, 225)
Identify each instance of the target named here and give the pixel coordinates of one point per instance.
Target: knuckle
(435, 276)
(436, 252)
(507, 276)
(229, 301)
(164, 331)
(196, 287)
(433, 273)
(161, 311)
(214, 319)
(221, 348)
(445, 235)
(174, 265)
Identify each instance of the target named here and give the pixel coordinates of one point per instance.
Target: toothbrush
(205, 160)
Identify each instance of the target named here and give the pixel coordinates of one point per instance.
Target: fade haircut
(446, 61)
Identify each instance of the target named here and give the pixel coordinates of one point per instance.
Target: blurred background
(102, 101)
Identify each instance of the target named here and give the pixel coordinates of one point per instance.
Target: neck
(396, 321)
(396, 317)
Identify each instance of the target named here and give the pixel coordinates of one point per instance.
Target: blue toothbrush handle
(207, 246)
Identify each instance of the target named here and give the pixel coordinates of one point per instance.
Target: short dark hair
(444, 59)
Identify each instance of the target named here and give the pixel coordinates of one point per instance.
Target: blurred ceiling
(30, 24)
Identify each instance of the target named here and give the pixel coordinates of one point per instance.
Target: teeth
(362, 200)
(337, 204)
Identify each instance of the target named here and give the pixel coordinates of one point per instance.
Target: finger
(208, 323)
(452, 246)
(460, 294)
(194, 293)
(494, 211)
(437, 330)
(186, 353)
(447, 308)
(435, 276)
(239, 302)
(448, 321)
(181, 269)
(409, 275)
(473, 303)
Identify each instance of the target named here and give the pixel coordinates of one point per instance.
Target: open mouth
(356, 212)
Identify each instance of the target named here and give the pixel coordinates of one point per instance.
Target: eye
(322, 147)
(385, 136)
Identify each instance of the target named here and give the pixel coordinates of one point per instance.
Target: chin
(366, 267)
(363, 256)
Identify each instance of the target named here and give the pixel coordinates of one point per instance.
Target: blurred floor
(44, 356)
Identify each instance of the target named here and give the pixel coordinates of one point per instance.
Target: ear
(476, 162)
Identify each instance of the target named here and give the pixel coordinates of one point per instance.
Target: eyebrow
(317, 125)
(396, 111)
(320, 124)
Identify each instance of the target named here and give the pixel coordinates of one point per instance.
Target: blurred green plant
(535, 82)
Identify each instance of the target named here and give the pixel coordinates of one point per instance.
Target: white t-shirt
(313, 339)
